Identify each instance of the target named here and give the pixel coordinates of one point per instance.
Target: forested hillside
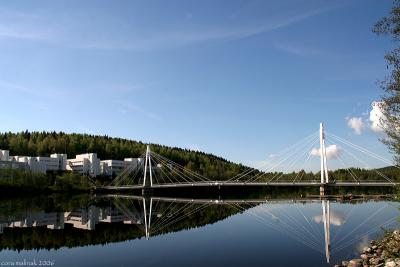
(45, 143)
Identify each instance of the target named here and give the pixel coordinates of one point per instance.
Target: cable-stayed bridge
(158, 171)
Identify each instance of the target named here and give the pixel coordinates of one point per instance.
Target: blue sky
(240, 79)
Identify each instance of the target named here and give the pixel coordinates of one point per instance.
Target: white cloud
(194, 147)
(336, 218)
(365, 242)
(332, 152)
(376, 117)
(356, 123)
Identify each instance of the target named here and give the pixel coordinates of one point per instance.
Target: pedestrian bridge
(160, 172)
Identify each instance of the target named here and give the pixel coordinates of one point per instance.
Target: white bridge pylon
(147, 168)
(322, 150)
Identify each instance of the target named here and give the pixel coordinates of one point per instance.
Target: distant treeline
(385, 174)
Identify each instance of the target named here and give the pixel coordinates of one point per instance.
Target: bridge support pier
(324, 190)
(147, 192)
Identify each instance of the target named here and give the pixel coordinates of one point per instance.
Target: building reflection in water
(85, 219)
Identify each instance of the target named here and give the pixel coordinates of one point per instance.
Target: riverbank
(383, 253)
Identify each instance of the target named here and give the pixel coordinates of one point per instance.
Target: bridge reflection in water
(157, 215)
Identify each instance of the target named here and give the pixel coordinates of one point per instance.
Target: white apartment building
(7, 163)
(4, 155)
(56, 162)
(115, 167)
(31, 162)
(85, 164)
(85, 219)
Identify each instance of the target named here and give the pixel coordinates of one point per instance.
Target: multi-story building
(115, 167)
(6, 162)
(31, 162)
(85, 164)
(4, 155)
(56, 162)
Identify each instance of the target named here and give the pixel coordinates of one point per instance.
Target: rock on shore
(384, 253)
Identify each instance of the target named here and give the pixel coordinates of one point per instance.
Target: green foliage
(71, 182)
(25, 180)
(390, 25)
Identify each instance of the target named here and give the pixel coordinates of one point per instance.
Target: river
(86, 230)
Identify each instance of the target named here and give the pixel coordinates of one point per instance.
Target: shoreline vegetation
(27, 181)
(208, 165)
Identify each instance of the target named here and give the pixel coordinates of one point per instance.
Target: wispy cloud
(22, 33)
(298, 50)
(126, 107)
(156, 40)
(175, 38)
(17, 88)
(123, 88)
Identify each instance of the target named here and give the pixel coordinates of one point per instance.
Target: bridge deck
(213, 201)
(227, 184)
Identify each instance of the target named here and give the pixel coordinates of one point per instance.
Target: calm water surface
(132, 231)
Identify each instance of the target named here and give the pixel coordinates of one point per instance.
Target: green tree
(390, 25)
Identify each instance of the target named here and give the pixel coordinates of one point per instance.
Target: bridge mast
(147, 219)
(327, 222)
(147, 164)
(324, 166)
